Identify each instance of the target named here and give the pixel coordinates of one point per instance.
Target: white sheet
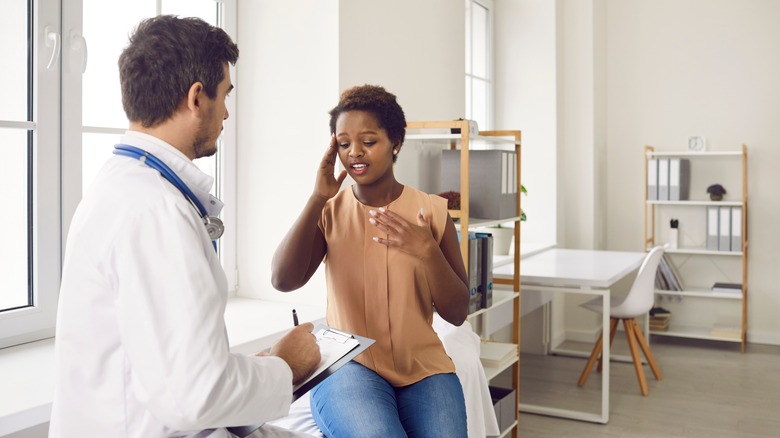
(462, 345)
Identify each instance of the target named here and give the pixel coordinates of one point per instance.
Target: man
(141, 346)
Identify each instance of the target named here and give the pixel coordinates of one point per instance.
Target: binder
(724, 229)
(652, 179)
(475, 260)
(736, 228)
(712, 228)
(679, 179)
(663, 179)
(487, 270)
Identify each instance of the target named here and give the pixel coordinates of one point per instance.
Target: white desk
(580, 272)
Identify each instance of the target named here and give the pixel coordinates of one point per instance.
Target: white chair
(638, 302)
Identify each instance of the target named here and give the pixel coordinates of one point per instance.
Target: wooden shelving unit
(683, 328)
(441, 131)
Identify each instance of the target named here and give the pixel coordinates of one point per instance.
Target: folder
(652, 179)
(475, 260)
(736, 228)
(663, 179)
(712, 228)
(336, 348)
(679, 179)
(724, 233)
(487, 269)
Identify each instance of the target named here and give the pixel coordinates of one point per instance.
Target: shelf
(491, 372)
(457, 137)
(481, 223)
(508, 430)
(693, 332)
(735, 165)
(696, 251)
(698, 203)
(500, 297)
(695, 154)
(703, 293)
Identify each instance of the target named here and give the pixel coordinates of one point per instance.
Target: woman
(391, 254)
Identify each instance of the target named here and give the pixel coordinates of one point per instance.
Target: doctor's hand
(300, 350)
(326, 185)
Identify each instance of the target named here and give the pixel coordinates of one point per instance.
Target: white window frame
(489, 68)
(57, 165)
(37, 322)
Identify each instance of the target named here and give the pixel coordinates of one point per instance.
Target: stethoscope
(214, 226)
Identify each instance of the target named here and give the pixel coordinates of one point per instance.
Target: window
(51, 154)
(479, 62)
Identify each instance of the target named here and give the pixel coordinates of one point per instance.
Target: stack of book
(497, 354)
(728, 288)
(659, 319)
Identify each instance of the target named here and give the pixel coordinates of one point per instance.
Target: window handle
(79, 43)
(52, 39)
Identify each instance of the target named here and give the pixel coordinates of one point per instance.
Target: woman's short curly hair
(377, 101)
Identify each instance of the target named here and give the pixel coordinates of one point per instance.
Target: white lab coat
(141, 346)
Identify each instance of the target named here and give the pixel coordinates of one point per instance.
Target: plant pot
(502, 240)
(716, 196)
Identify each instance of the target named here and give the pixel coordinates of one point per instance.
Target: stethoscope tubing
(156, 164)
(214, 226)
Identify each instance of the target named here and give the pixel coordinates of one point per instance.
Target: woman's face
(364, 148)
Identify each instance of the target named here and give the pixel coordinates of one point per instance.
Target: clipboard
(320, 375)
(325, 335)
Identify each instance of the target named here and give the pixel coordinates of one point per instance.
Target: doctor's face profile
(210, 128)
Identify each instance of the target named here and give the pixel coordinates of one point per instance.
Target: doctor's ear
(194, 95)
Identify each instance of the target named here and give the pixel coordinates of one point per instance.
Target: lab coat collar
(199, 182)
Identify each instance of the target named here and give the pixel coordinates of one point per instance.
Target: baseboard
(759, 337)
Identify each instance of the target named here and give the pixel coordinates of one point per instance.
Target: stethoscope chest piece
(214, 226)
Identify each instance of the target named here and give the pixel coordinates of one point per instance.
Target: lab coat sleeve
(170, 312)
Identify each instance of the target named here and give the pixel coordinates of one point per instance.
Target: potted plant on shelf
(716, 192)
(503, 235)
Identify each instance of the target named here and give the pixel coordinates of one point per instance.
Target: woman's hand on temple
(326, 185)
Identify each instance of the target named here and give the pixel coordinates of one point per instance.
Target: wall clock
(696, 144)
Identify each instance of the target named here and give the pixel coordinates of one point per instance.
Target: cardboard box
(504, 405)
(492, 181)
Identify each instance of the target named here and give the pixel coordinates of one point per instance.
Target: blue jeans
(357, 402)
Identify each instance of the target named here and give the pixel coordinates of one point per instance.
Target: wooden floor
(709, 389)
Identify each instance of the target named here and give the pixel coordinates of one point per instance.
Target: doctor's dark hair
(377, 101)
(164, 57)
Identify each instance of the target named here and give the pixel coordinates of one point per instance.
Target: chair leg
(613, 323)
(646, 349)
(640, 373)
(591, 360)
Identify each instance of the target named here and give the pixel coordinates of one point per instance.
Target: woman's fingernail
(382, 209)
(422, 211)
(372, 212)
(372, 220)
(375, 239)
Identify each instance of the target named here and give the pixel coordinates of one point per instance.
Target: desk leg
(602, 417)
(605, 354)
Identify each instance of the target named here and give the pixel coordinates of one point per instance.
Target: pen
(295, 318)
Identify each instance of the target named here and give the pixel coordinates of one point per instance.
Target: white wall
(698, 67)
(525, 83)
(287, 79)
(415, 49)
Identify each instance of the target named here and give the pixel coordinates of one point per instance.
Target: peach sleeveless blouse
(381, 292)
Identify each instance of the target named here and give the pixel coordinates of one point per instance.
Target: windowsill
(27, 371)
